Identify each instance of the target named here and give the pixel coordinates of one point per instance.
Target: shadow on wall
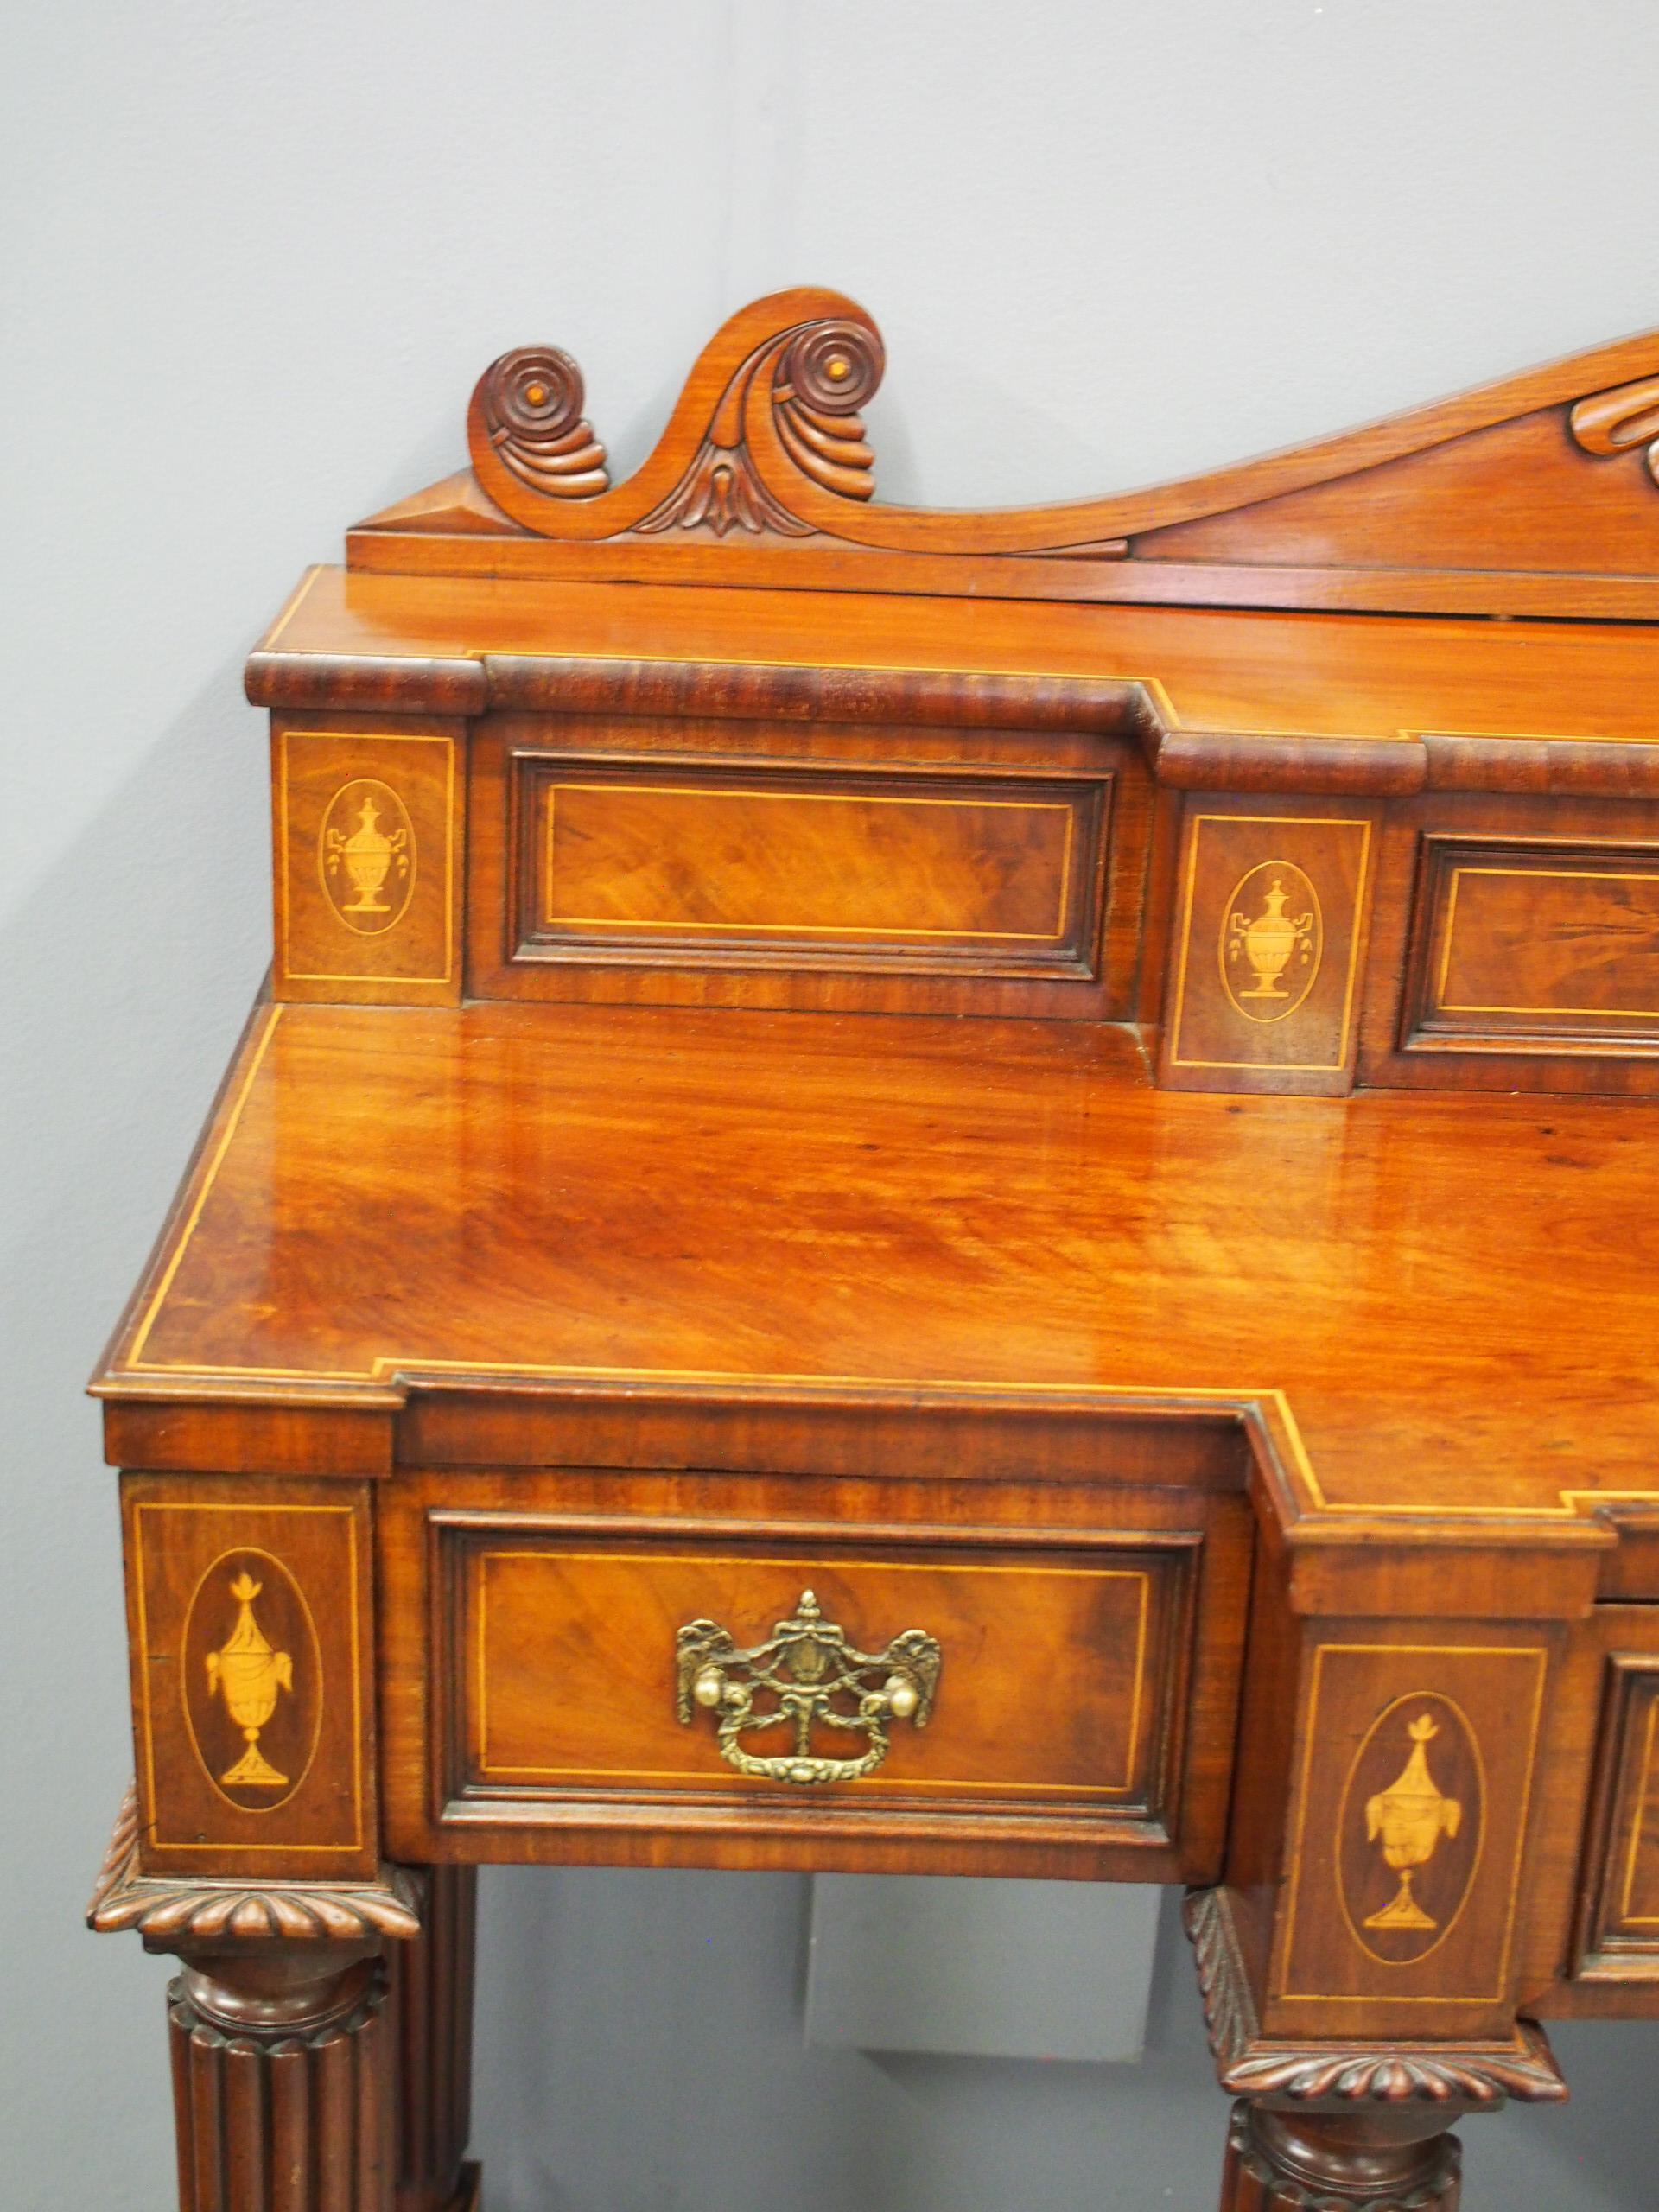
(640, 2046)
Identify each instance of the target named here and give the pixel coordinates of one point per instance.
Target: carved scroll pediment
(769, 427)
(1477, 505)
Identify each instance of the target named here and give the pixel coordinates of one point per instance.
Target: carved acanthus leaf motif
(1616, 421)
(173, 1911)
(1251, 2065)
(816, 380)
(531, 400)
(721, 490)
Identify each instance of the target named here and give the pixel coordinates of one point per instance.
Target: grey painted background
(256, 252)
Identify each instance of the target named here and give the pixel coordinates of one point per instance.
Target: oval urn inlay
(252, 1678)
(1410, 1829)
(365, 855)
(1272, 936)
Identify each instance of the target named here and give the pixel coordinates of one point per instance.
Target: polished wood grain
(753, 860)
(720, 862)
(459, 645)
(789, 1210)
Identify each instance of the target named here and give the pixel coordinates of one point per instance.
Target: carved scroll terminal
(1615, 422)
(531, 400)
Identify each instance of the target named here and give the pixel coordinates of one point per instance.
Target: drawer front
(1020, 1688)
(746, 862)
(734, 865)
(1535, 946)
(1052, 1672)
(1619, 1928)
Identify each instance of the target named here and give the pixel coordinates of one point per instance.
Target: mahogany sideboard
(951, 1192)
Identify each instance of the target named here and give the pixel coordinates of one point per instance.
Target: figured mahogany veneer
(822, 1214)
(1026, 1134)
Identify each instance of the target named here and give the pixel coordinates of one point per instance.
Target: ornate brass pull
(806, 1666)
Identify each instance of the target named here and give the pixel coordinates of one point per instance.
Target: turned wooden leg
(282, 2080)
(432, 1987)
(1381, 2159)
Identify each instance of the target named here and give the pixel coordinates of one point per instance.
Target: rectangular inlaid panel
(763, 865)
(253, 1686)
(1269, 922)
(1414, 1771)
(1056, 1666)
(1621, 1935)
(367, 872)
(1535, 943)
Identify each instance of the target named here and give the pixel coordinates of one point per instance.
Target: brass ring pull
(806, 1666)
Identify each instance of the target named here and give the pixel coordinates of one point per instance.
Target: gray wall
(255, 254)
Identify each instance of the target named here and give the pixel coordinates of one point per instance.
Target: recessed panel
(1052, 1670)
(766, 866)
(1536, 944)
(1620, 1938)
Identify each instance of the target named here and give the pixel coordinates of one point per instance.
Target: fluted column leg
(283, 2080)
(432, 1985)
(1386, 2160)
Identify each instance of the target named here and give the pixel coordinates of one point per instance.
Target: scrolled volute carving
(174, 1911)
(1617, 421)
(828, 372)
(531, 400)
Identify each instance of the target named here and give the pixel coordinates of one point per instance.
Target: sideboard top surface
(1450, 1302)
(468, 643)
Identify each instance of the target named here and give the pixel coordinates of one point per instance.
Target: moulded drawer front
(1619, 1923)
(1054, 1676)
(911, 1673)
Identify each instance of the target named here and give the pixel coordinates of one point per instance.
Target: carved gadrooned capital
(1304, 2166)
(179, 1912)
(1251, 2064)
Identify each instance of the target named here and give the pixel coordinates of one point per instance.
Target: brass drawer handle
(807, 1665)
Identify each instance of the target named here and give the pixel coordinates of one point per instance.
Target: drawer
(1618, 1933)
(1048, 1689)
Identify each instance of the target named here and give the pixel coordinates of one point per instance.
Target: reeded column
(283, 2080)
(1376, 2160)
(432, 1985)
